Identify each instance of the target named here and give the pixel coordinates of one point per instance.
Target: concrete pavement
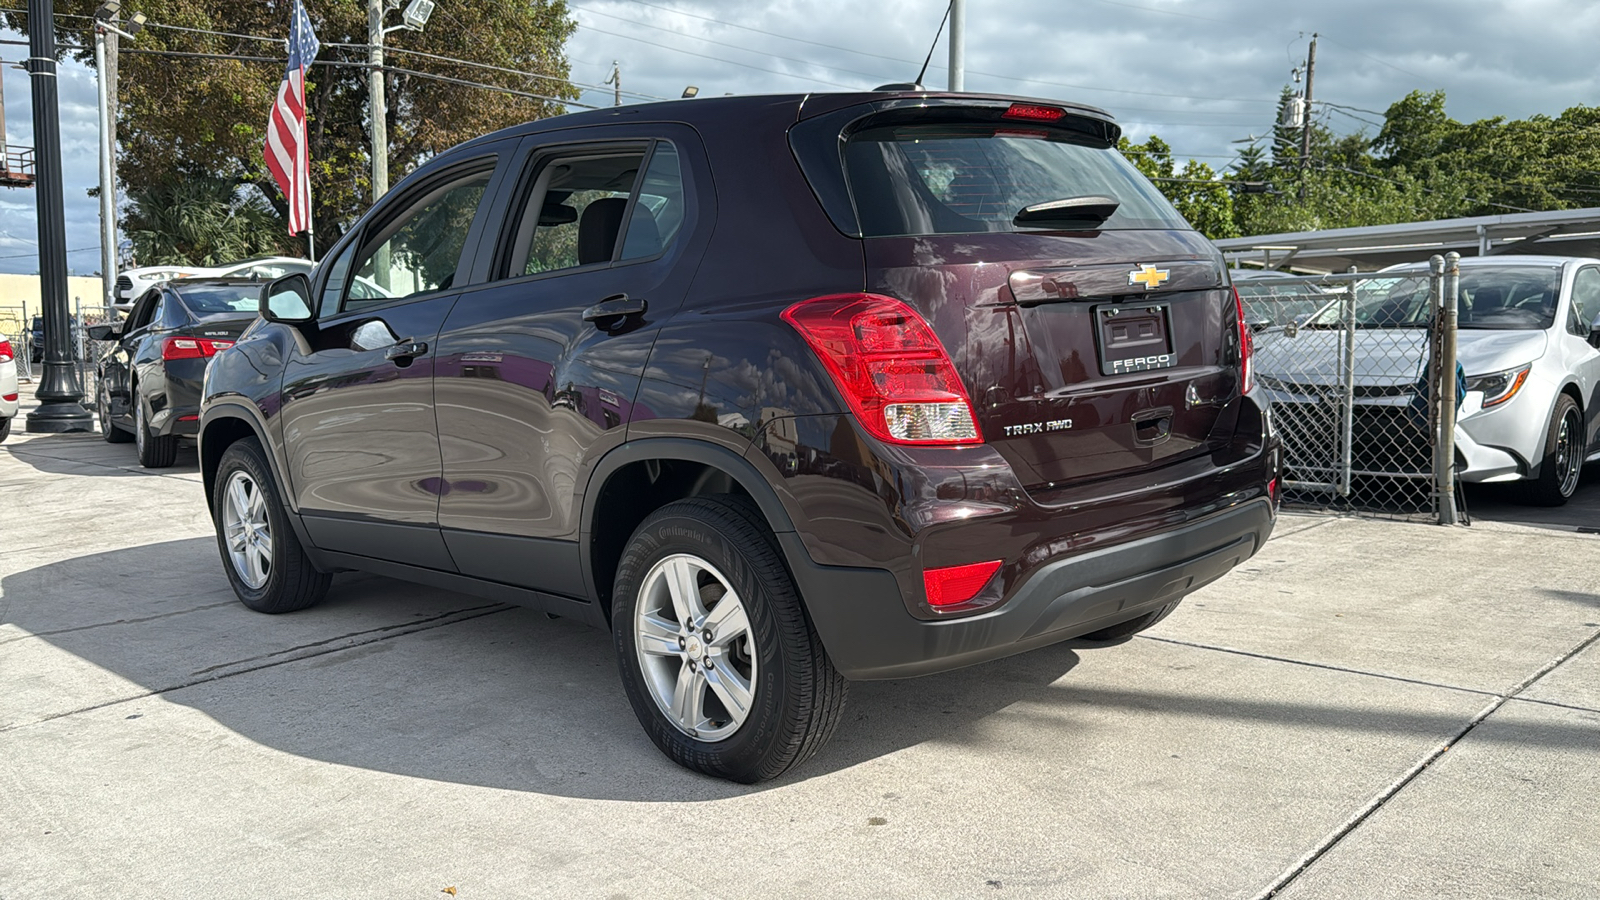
(1366, 709)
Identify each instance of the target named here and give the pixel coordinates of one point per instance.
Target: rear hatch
(1096, 337)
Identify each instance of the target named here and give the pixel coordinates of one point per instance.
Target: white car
(132, 283)
(8, 388)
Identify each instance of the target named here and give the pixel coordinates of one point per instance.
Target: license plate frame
(1133, 337)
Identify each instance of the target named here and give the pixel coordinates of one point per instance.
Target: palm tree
(204, 221)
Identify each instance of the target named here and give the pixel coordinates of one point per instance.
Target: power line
(721, 60)
(35, 254)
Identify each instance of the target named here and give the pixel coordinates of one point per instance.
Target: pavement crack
(372, 636)
(134, 621)
(1317, 665)
(1378, 801)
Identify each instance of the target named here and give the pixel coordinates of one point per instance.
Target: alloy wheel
(694, 646)
(1569, 452)
(247, 531)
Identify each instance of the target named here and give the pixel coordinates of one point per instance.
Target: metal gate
(1350, 366)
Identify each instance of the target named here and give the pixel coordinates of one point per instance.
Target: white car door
(1578, 341)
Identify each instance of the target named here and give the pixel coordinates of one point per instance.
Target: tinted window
(205, 300)
(1586, 298)
(961, 179)
(574, 211)
(1517, 298)
(659, 212)
(419, 250)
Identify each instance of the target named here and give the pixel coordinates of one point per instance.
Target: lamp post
(415, 16)
(103, 19)
(60, 394)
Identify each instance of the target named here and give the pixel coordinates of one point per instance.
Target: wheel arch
(225, 425)
(642, 476)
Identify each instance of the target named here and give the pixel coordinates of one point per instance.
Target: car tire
(249, 516)
(5, 428)
(1124, 630)
(1562, 464)
(109, 431)
(155, 451)
(784, 698)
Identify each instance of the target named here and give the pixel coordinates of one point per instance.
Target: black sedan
(149, 384)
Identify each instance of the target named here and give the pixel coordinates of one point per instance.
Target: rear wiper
(1089, 208)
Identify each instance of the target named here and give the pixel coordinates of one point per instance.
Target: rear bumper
(870, 634)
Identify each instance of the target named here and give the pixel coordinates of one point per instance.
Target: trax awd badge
(1038, 427)
(1149, 276)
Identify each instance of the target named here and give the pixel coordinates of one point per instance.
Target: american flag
(287, 153)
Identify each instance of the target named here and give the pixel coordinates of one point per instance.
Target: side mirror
(287, 300)
(105, 331)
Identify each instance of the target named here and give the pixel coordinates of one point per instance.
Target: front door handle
(406, 350)
(610, 312)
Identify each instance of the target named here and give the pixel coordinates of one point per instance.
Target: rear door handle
(406, 350)
(610, 312)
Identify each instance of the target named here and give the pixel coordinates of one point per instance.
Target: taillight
(1247, 367)
(191, 348)
(5, 351)
(951, 585)
(1033, 112)
(893, 372)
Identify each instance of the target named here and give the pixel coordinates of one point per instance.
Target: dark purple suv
(782, 391)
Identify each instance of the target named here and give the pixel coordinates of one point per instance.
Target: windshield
(964, 179)
(209, 299)
(1513, 298)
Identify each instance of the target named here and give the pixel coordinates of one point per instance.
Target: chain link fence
(1349, 366)
(21, 326)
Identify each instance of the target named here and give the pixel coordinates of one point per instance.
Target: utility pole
(958, 45)
(615, 80)
(60, 394)
(1305, 127)
(377, 108)
(106, 32)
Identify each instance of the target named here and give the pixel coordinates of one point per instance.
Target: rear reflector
(192, 348)
(957, 584)
(891, 369)
(1034, 113)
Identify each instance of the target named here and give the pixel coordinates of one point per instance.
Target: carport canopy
(1570, 232)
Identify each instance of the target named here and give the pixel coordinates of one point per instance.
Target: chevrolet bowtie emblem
(1149, 276)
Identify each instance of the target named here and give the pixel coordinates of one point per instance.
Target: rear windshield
(220, 298)
(964, 179)
(1512, 298)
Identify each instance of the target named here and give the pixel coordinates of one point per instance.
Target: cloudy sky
(1200, 73)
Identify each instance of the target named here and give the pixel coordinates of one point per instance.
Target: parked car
(782, 391)
(132, 283)
(36, 340)
(9, 397)
(1272, 306)
(1526, 343)
(149, 379)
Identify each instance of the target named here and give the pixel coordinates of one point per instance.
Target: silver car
(1526, 343)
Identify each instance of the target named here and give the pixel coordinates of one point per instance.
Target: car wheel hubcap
(695, 647)
(1569, 455)
(138, 422)
(246, 530)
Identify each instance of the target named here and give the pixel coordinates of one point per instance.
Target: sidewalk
(1366, 709)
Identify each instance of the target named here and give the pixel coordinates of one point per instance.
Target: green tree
(1196, 190)
(202, 221)
(182, 119)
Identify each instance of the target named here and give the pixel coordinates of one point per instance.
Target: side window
(145, 312)
(1585, 300)
(418, 250)
(592, 207)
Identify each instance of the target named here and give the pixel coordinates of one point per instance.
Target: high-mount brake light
(192, 348)
(951, 585)
(1033, 112)
(1247, 366)
(892, 370)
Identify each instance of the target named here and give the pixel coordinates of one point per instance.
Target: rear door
(1092, 344)
(539, 366)
(358, 422)
(1576, 346)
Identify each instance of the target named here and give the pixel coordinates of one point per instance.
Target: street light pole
(60, 395)
(108, 182)
(378, 108)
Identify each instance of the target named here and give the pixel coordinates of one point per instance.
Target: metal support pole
(958, 45)
(61, 397)
(377, 109)
(108, 187)
(1347, 368)
(1305, 125)
(1445, 470)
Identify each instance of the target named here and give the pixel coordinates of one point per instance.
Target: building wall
(19, 299)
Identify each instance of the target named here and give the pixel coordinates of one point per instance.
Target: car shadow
(413, 681)
(79, 454)
(1504, 503)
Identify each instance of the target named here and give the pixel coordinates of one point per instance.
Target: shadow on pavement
(78, 454)
(1503, 503)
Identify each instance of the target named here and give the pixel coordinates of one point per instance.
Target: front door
(538, 368)
(357, 416)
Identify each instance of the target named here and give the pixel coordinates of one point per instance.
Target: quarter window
(419, 250)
